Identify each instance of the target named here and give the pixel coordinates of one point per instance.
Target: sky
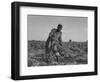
(74, 28)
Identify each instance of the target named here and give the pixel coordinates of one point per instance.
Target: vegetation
(73, 53)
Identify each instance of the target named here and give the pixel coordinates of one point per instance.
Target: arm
(60, 39)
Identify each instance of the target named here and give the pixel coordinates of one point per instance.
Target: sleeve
(52, 32)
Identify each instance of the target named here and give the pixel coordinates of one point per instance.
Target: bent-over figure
(54, 42)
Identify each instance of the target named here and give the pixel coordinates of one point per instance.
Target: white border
(24, 70)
